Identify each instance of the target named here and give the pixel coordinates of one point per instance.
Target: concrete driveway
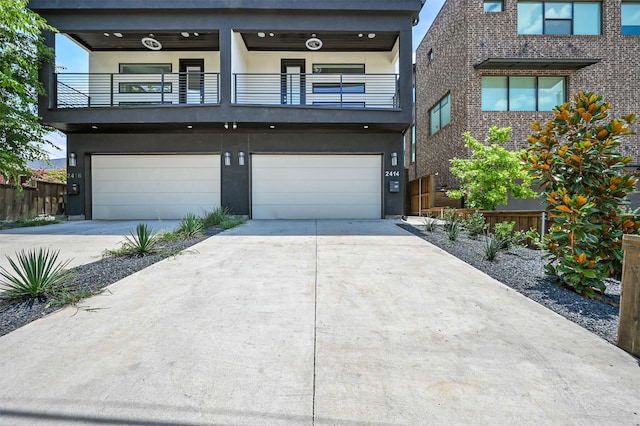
(81, 241)
(313, 322)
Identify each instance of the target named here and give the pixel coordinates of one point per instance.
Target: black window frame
(537, 88)
(336, 65)
(439, 106)
(572, 19)
(123, 64)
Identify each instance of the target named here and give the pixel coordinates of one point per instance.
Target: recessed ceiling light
(261, 34)
(94, 127)
(272, 127)
(189, 126)
(271, 34)
(119, 35)
(185, 34)
(196, 34)
(365, 126)
(372, 35)
(106, 34)
(360, 35)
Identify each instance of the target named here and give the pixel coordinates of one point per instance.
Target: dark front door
(191, 81)
(293, 82)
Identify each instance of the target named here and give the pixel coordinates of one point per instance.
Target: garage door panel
(154, 186)
(316, 186)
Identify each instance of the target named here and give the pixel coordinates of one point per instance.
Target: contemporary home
(281, 109)
(509, 62)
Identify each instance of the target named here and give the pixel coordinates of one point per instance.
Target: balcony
(359, 91)
(126, 90)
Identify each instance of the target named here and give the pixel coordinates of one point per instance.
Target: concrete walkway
(313, 322)
(81, 241)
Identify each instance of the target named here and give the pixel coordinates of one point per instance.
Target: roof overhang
(97, 41)
(535, 63)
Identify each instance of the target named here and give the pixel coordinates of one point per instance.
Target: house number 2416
(392, 173)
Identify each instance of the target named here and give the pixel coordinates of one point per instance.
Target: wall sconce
(241, 158)
(227, 158)
(394, 158)
(73, 159)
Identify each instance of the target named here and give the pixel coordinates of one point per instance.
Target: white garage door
(154, 186)
(316, 186)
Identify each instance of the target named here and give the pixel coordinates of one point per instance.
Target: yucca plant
(35, 273)
(142, 242)
(191, 226)
(216, 216)
(492, 246)
(430, 223)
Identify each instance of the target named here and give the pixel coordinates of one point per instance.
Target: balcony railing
(121, 90)
(318, 90)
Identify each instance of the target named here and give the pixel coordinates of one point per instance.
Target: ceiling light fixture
(184, 34)
(119, 35)
(196, 34)
(94, 127)
(314, 43)
(189, 126)
(261, 34)
(226, 126)
(151, 43)
(271, 34)
(235, 126)
(106, 34)
(272, 127)
(360, 35)
(372, 35)
(365, 126)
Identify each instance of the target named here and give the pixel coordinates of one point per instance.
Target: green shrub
(492, 172)
(576, 160)
(232, 222)
(430, 223)
(191, 226)
(142, 242)
(452, 223)
(475, 224)
(492, 246)
(35, 274)
(215, 217)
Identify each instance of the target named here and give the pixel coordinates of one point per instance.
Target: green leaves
(492, 172)
(575, 159)
(22, 53)
(142, 242)
(36, 273)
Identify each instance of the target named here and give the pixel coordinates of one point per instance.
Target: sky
(71, 58)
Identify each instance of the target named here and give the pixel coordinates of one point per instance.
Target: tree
(492, 172)
(22, 54)
(576, 160)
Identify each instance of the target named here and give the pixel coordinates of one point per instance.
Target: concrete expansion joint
(315, 329)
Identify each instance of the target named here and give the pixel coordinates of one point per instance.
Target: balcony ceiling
(332, 42)
(131, 41)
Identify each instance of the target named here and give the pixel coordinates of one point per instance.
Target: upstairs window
(144, 68)
(440, 114)
(515, 93)
(493, 6)
(630, 18)
(338, 68)
(559, 18)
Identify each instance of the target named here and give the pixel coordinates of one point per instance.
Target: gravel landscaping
(90, 279)
(522, 269)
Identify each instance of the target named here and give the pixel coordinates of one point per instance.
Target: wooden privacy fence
(524, 219)
(45, 198)
(629, 327)
(422, 194)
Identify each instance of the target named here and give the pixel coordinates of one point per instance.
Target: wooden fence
(524, 219)
(45, 198)
(629, 327)
(422, 194)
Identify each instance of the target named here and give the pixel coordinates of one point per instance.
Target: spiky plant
(142, 242)
(191, 226)
(35, 274)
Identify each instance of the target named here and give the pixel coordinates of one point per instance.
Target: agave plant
(142, 242)
(35, 274)
(191, 226)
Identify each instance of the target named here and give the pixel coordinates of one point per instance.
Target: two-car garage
(283, 186)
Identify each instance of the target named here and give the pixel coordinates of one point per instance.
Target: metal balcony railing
(358, 91)
(121, 90)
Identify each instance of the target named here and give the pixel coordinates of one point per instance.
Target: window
(522, 93)
(430, 55)
(440, 114)
(338, 87)
(493, 6)
(338, 68)
(413, 144)
(631, 18)
(146, 87)
(144, 68)
(559, 18)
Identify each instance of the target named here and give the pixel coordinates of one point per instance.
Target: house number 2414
(392, 173)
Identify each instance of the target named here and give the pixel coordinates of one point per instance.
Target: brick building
(508, 63)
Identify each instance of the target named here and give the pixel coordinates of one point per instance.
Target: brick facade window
(559, 18)
(440, 114)
(522, 93)
(630, 18)
(493, 6)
